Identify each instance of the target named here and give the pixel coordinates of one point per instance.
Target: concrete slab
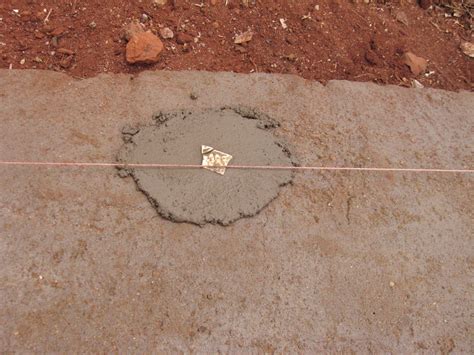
(340, 261)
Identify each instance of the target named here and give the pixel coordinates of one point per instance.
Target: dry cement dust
(200, 196)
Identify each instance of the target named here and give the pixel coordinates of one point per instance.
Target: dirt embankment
(320, 40)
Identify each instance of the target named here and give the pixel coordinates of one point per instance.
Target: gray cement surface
(339, 261)
(202, 196)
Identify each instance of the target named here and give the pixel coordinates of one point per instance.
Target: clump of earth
(201, 196)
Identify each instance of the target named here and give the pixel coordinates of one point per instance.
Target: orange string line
(245, 167)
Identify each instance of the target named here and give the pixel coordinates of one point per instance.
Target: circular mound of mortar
(201, 196)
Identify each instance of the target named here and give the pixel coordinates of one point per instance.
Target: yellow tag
(214, 160)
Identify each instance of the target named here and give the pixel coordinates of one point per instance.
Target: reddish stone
(65, 51)
(39, 35)
(66, 62)
(182, 38)
(424, 4)
(416, 64)
(144, 48)
(132, 29)
(58, 31)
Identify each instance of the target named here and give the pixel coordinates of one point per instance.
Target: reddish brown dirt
(341, 40)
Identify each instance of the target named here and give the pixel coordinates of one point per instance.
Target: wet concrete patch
(200, 196)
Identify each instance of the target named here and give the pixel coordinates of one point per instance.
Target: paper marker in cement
(214, 160)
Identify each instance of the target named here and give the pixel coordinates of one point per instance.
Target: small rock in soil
(66, 62)
(26, 16)
(425, 4)
(46, 29)
(144, 18)
(159, 2)
(416, 64)
(244, 37)
(166, 33)
(58, 31)
(182, 38)
(92, 25)
(144, 48)
(402, 17)
(468, 49)
(416, 84)
(132, 29)
(65, 51)
(240, 49)
(291, 57)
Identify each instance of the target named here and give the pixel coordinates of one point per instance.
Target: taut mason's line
(245, 167)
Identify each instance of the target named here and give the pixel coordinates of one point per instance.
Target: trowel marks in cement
(201, 196)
